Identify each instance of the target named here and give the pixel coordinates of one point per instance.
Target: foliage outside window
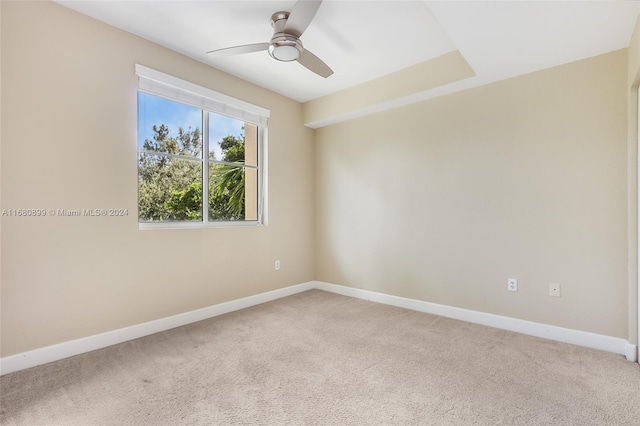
(196, 167)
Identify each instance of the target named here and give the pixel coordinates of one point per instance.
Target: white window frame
(169, 87)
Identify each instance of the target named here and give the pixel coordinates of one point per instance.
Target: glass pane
(168, 126)
(169, 189)
(251, 194)
(233, 193)
(226, 139)
(251, 144)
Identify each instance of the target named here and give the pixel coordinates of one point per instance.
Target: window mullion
(164, 154)
(262, 139)
(205, 166)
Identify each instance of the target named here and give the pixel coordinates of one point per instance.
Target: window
(200, 159)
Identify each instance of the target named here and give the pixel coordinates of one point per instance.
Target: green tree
(187, 204)
(170, 188)
(165, 183)
(226, 182)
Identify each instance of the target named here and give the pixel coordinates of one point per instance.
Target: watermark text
(59, 212)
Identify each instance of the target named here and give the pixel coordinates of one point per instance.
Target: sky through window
(174, 115)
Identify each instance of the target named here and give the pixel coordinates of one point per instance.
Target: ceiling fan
(285, 45)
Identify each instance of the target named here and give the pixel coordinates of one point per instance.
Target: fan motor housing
(283, 47)
(278, 21)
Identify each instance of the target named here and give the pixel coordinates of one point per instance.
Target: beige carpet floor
(324, 359)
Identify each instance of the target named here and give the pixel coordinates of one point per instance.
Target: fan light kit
(285, 45)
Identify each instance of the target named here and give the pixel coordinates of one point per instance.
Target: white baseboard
(631, 352)
(59, 351)
(63, 350)
(560, 334)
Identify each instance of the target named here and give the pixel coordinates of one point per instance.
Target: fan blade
(238, 50)
(315, 64)
(301, 16)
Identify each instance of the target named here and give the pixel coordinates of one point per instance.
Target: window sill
(147, 226)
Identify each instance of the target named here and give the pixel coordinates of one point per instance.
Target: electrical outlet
(512, 284)
(277, 265)
(554, 289)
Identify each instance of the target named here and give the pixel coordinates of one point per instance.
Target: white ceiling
(365, 39)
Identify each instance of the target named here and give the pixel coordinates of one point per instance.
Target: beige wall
(69, 141)
(444, 200)
(633, 80)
